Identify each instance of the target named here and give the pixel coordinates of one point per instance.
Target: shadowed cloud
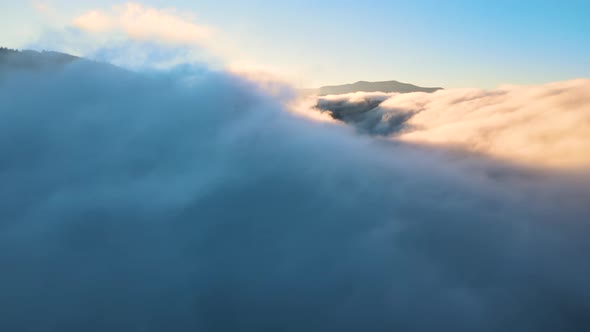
(188, 200)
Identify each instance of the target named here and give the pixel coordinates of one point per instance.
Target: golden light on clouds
(144, 23)
(545, 125)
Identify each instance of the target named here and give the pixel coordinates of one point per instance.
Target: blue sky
(427, 42)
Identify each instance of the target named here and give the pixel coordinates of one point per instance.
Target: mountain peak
(365, 86)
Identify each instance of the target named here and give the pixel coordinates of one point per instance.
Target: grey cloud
(188, 201)
(362, 110)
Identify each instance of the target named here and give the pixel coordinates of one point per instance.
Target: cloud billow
(144, 23)
(188, 200)
(546, 125)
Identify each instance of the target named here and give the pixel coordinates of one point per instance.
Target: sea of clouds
(545, 125)
(193, 200)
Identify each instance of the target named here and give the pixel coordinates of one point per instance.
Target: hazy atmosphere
(302, 166)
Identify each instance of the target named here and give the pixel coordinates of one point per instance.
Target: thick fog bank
(545, 125)
(189, 201)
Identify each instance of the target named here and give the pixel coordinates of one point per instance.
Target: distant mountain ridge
(33, 60)
(15, 61)
(364, 86)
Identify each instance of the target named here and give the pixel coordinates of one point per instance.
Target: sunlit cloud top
(144, 23)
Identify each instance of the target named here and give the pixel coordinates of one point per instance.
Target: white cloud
(544, 125)
(145, 24)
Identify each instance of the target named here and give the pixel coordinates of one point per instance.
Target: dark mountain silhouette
(15, 62)
(33, 60)
(363, 86)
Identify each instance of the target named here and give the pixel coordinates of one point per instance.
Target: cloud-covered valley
(546, 125)
(191, 200)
